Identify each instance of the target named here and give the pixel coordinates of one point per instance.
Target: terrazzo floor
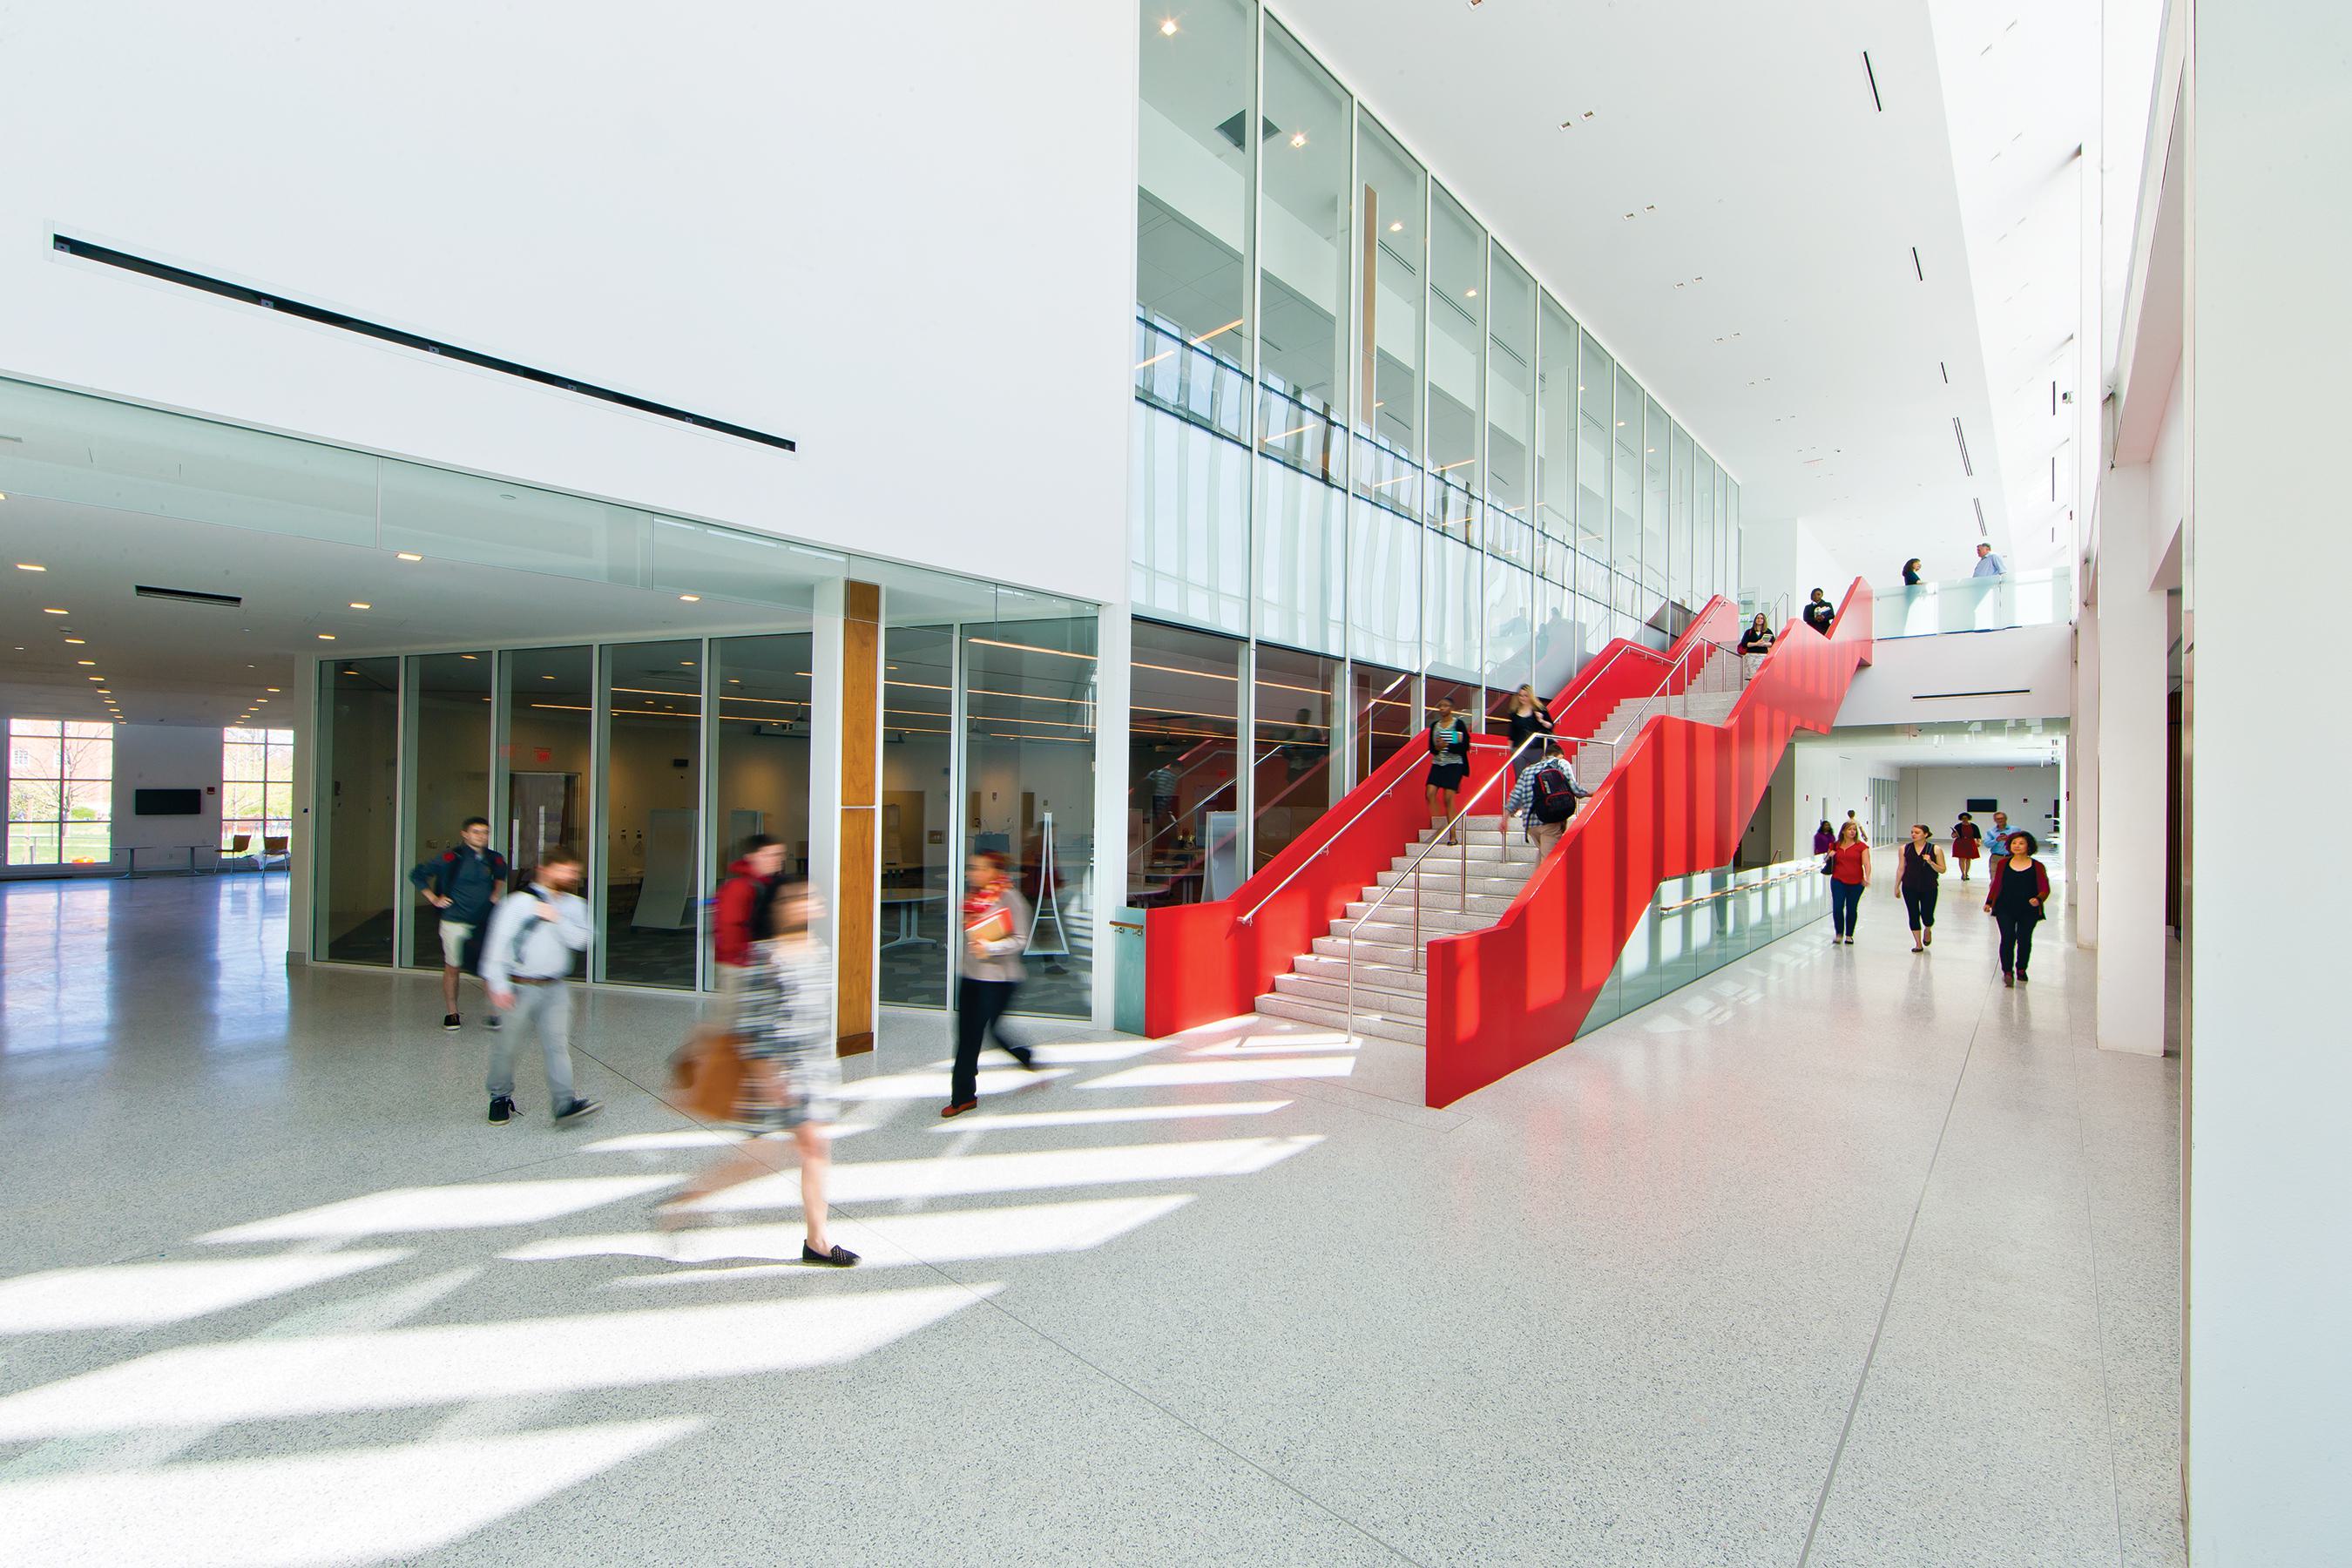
(1839, 1257)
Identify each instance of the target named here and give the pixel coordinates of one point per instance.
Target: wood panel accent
(859, 885)
(854, 920)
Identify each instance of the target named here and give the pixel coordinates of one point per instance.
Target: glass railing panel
(1191, 380)
(2043, 599)
(1695, 925)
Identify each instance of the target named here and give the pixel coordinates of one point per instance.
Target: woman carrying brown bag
(791, 1079)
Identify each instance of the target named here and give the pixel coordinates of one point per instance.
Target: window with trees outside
(256, 787)
(60, 792)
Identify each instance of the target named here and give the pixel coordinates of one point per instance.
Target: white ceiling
(178, 663)
(1813, 358)
(1992, 743)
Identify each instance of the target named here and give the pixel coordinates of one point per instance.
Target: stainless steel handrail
(1381, 796)
(1413, 871)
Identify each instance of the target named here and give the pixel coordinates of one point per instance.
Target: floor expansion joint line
(1926, 1178)
(1197, 1430)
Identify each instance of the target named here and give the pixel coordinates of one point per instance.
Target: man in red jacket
(741, 915)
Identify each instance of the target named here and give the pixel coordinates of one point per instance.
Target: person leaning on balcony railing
(1820, 612)
(1911, 572)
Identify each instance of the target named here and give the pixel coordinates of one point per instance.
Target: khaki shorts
(453, 937)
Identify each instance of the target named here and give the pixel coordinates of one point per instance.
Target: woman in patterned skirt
(791, 1081)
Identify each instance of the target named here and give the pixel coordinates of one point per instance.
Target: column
(845, 797)
(1114, 670)
(2132, 639)
(2269, 1077)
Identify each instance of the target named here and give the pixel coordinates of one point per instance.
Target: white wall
(1826, 782)
(2269, 1360)
(2023, 672)
(1783, 555)
(1937, 796)
(904, 241)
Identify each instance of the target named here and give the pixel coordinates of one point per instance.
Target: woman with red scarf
(995, 927)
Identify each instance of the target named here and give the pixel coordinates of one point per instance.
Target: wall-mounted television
(167, 803)
(1986, 807)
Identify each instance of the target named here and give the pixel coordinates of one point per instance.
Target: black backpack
(1555, 797)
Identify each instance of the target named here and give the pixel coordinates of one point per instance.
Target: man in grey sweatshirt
(526, 961)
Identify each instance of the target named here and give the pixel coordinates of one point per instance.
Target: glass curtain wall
(549, 755)
(1559, 344)
(1029, 738)
(652, 878)
(357, 847)
(1625, 492)
(1683, 576)
(1511, 409)
(1291, 713)
(761, 694)
(256, 791)
(448, 746)
(60, 792)
(1382, 716)
(1184, 765)
(1457, 341)
(1654, 565)
(1595, 410)
(1303, 283)
(919, 874)
(1394, 201)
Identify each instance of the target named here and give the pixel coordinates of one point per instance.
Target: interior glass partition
(1394, 217)
(1195, 165)
(1683, 574)
(1559, 345)
(1596, 387)
(1511, 409)
(1705, 550)
(918, 858)
(1028, 780)
(357, 840)
(1655, 508)
(448, 724)
(549, 753)
(1457, 341)
(1291, 711)
(763, 690)
(1626, 493)
(1384, 714)
(1303, 283)
(651, 878)
(1183, 766)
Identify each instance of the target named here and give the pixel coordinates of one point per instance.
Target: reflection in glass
(1395, 197)
(1511, 409)
(1705, 551)
(1653, 511)
(1188, 528)
(359, 769)
(1558, 651)
(1684, 560)
(1183, 761)
(1300, 541)
(1384, 585)
(1303, 300)
(1625, 533)
(1510, 637)
(1556, 426)
(551, 708)
(1451, 579)
(1457, 337)
(1029, 747)
(449, 737)
(759, 746)
(1380, 701)
(1596, 387)
(1193, 211)
(652, 869)
(918, 870)
(1291, 714)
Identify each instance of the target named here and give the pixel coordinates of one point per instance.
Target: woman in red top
(1966, 835)
(2019, 895)
(1849, 875)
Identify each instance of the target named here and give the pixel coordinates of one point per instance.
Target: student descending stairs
(1460, 887)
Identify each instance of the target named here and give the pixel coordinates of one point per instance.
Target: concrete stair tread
(1410, 1030)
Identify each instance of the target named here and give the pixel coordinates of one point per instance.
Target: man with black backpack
(1546, 796)
(463, 883)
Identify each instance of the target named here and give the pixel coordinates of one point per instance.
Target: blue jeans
(1845, 906)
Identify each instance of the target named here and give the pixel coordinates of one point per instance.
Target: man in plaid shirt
(1545, 830)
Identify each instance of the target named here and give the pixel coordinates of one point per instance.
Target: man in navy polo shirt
(462, 883)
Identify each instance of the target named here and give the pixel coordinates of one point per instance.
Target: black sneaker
(493, 1021)
(503, 1109)
(578, 1110)
(451, 1022)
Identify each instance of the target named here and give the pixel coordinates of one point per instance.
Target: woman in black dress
(1449, 761)
(1530, 716)
(1923, 867)
(2021, 888)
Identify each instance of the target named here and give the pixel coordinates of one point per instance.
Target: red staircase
(1503, 996)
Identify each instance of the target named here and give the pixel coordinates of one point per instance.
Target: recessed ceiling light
(1469, 293)
(88, 662)
(261, 700)
(408, 556)
(29, 566)
(686, 663)
(48, 612)
(362, 605)
(690, 598)
(1168, 27)
(547, 678)
(1397, 227)
(1299, 139)
(94, 678)
(326, 637)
